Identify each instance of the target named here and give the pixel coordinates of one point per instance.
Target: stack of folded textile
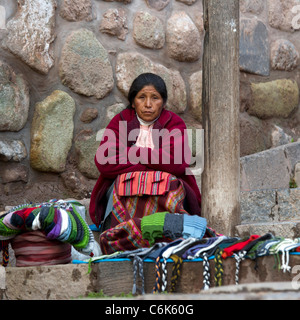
(57, 220)
(172, 226)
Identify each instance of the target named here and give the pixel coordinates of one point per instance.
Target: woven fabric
(143, 182)
(128, 211)
(125, 236)
(34, 249)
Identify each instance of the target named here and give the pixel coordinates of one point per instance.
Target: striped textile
(143, 182)
(34, 249)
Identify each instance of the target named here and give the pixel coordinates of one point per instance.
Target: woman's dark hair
(148, 79)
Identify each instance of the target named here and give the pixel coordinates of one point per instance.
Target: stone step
(286, 229)
(72, 281)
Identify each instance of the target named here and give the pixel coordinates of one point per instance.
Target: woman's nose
(148, 102)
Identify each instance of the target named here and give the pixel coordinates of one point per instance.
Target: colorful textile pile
(205, 249)
(164, 193)
(57, 220)
(173, 226)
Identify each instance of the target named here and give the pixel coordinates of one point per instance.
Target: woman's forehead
(149, 89)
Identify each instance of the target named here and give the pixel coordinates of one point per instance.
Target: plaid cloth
(124, 232)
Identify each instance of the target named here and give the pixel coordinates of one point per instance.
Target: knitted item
(156, 287)
(46, 217)
(29, 220)
(139, 255)
(66, 234)
(193, 226)
(59, 220)
(175, 271)
(5, 253)
(18, 219)
(6, 232)
(164, 275)
(73, 233)
(168, 252)
(156, 255)
(199, 250)
(173, 226)
(138, 265)
(206, 272)
(238, 246)
(152, 226)
(218, 267)
(284, 246)
(55, 231)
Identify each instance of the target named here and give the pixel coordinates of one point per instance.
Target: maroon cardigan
(117, 147)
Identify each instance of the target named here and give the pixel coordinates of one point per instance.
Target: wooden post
(221, 175)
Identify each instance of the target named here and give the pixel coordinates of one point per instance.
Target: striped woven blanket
(34, 249)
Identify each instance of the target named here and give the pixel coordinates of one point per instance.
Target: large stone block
(277, 98)
(148, 31)
(84, 65)
(77, 10)
(157, 4)
(31, 33)
(254, 47)
(52, 132)
(284, 55)
(195, 83)
(288, 201)
(14, 99)
(12, 150)
(282, 16)
(269, 169)
(183, 38)
(257, 206)
(114, 22)
(86, 147)
(58, 282)
(275, 205)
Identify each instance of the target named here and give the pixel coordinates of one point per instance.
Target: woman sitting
(143, 160)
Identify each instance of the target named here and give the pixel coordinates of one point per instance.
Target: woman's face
(148, 103)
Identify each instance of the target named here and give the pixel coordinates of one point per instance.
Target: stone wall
(66, 67)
